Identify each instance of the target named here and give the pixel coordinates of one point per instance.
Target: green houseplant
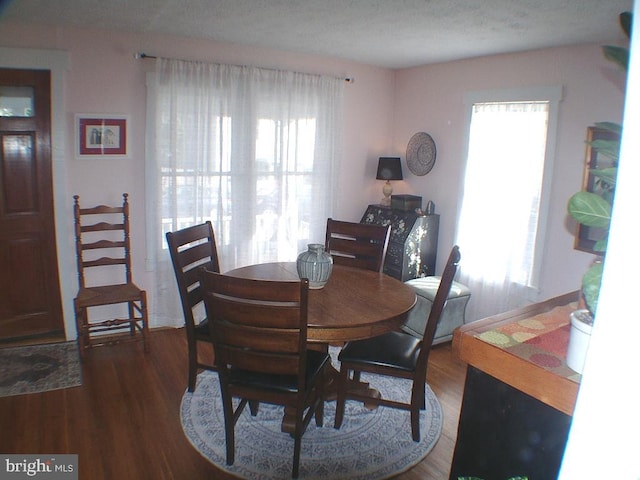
(594, 209)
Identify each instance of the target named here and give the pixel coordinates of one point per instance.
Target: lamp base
(387, 190)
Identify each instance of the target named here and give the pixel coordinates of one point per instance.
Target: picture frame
(100, 136)
(586, 237)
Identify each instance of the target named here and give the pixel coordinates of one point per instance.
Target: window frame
(553, 95)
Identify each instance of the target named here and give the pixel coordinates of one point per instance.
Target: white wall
(104, 77)
(430, 99)
(383, 109)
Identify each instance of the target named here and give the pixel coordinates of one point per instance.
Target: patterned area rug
(39, 368)
(371, 444)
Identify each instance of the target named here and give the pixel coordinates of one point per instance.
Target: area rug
(371, 444)
(39, 368)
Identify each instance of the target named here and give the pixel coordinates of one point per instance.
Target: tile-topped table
(519, 393)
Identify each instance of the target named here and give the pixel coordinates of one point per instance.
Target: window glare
(502, 189)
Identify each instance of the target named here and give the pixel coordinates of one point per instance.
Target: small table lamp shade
(389, 168)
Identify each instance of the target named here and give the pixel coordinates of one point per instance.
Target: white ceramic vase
(315, 265)
(579, 337)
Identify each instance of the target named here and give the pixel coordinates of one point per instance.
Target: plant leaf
(626, 20)
(591, 281)
(601, 245)
(610, 126)
(607, 175)
(590, 210)
(608, 148)
(619, 55)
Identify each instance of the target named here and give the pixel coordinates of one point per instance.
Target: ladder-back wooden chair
(102, 243)
(357, 245)
(396, 354)
(192, 248)
(259, 333)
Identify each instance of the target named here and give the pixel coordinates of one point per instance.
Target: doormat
(39, 368)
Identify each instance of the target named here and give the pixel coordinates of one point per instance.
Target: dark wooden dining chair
(357, 245)
(259, 332)
(103, 243)
(396, 354)
(190, 249)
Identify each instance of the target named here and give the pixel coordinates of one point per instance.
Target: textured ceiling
(387, 33)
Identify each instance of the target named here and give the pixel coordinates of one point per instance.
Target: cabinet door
(424, 246)
(503, 432)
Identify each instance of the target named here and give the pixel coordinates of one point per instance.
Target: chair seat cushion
(394, 350)
(283, 383)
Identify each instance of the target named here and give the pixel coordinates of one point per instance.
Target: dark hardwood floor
(123, 422)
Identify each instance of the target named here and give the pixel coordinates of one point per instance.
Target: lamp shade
(389, 168)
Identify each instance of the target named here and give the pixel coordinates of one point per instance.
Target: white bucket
(578, 340)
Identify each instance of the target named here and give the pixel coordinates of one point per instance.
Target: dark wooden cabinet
(413, 244)
(518, 397)
(502, 432)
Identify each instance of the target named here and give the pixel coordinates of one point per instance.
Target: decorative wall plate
(421, 154)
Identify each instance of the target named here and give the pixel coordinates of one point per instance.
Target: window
(252, 150)
(16, 101)
(501, 221)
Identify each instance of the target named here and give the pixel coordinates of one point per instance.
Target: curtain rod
(142, 55)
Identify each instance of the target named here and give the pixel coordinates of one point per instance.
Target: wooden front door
(30, 303)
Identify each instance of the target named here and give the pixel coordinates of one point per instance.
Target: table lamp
(389, 168)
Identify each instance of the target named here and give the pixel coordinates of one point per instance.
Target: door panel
(30, 303)
(18, 174)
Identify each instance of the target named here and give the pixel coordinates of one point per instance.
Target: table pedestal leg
(332, 376)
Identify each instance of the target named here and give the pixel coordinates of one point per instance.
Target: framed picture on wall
(102, 136)
(586, 237)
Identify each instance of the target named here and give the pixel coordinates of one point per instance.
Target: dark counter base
(504, 432)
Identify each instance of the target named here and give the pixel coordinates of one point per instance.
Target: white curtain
(498, 223)
(253, 150)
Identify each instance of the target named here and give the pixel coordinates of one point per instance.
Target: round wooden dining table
(354, 304)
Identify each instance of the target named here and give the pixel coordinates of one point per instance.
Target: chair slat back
(257, 325)
(190, 249)
(439, 302)
(102, 238)
(357, 245)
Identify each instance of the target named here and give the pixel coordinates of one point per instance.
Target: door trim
(57, 61)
